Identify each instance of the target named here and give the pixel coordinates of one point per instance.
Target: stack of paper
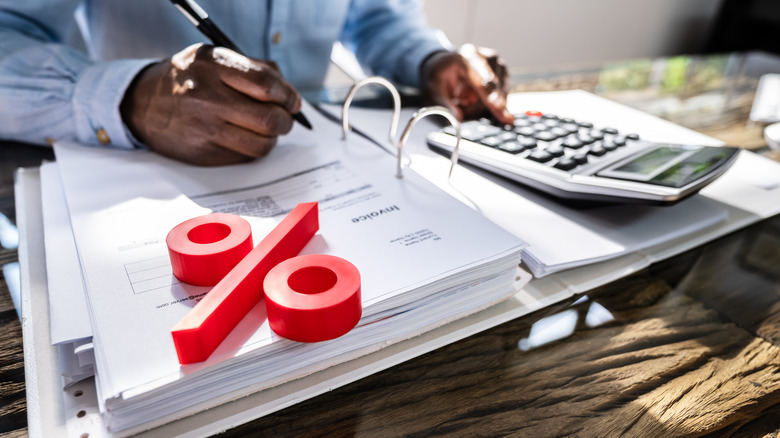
(425, 259)
(560, 236)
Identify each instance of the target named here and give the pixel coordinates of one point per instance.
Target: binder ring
(420, 114)
(351, 95)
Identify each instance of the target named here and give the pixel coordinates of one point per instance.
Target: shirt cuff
(96, 98)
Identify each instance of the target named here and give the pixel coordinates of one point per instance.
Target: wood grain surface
(689, 347)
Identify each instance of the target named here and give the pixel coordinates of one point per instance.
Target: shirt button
(102, 136)
(277, 38)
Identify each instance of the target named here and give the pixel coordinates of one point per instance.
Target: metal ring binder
(420, 114)
(351, 95)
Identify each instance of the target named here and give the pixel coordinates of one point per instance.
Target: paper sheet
(398, 232)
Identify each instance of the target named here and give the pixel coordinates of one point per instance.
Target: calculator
(576, 160)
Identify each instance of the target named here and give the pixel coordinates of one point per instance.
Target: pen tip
(302, 120)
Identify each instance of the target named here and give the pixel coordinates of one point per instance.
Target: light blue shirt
(52, 91)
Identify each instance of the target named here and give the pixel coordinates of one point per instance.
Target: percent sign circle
(311, 299)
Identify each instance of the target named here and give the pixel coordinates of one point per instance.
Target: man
(150, 81)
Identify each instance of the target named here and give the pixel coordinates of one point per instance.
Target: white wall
(543, 33)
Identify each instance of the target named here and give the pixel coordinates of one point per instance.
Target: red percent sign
(309, 298)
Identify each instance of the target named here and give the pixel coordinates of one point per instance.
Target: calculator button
(619, 141)
(559, 132)
(596, 134)
(585, 125)
(525, 130)
(540, 156)
(572, 128)
(540, 127)
(572, 142)
(632, 136)
(520, 122)
(597, 150)
(608, 144)
(565, 164)
(491, 141)
(527, 142)
(586, 139)
(555, 151)
(534, 113)
(545, 136)
(507, 136)
(513, 147)
(580, 158)
(610, 131)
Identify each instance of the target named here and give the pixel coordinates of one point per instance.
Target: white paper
(559, 236)
(403, 235)
(67, 303)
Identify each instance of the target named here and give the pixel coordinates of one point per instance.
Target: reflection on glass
(9, 235)
(13, 279)
(597, 315)
(549, 329)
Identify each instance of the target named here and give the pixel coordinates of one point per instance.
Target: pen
(200, 19)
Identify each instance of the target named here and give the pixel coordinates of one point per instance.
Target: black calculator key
(527, 142)
(555, 151)
(632, 136)
(585, 124)
(559, 132)
(540, 156)
(580, 158)
(586, 139)
(572, 128)
(513, 147)
(565, 164)
(608, 144)
(525, 130)
(597, 150)
(572, 142)
(491, 141)
(610, 131)
(568, 120)
(596, 134)
(545, 136)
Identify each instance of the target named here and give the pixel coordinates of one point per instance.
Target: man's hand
(210, 106)
(471, 83)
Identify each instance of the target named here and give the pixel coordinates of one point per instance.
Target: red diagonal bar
(201, 331)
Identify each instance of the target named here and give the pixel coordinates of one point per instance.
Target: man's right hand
(210, 106)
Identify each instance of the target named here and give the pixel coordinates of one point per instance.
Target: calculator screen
(670, 165)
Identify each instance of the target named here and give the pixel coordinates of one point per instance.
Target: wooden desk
(687, 347)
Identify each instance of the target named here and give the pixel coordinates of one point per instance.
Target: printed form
(406, 237)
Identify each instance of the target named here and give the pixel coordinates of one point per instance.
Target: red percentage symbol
(309, 298)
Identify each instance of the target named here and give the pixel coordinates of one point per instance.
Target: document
(425, 259)
(559, 236)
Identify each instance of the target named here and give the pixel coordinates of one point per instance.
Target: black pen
(200, 19)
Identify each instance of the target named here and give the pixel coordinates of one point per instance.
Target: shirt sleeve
(52, 92)
(390, 38)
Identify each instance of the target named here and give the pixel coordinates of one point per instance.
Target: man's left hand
(471, 83)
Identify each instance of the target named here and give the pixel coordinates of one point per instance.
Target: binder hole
(81, 414)
(78, 393)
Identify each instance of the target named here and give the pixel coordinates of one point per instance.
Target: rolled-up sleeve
(52, 92)
(391, 38)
